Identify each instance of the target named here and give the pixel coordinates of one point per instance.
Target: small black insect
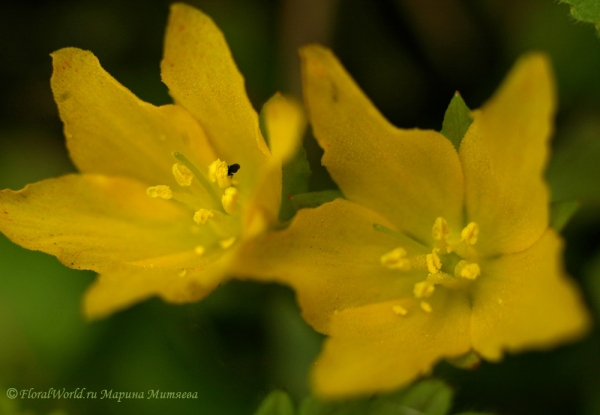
(232, 169)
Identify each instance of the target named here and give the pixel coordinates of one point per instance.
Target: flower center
(212, 198)
(451, 263)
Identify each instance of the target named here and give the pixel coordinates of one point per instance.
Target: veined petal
(373, 349)
(409, 176)
(202, 77)
(331, 257)
(125, 285)
(504, 154)
(110, 131)
(93, 221)
(525, 301)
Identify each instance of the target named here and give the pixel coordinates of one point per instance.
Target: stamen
(199, 250)
(401, 311)
(197, 174)
(468, 270)
(226, 243)
(440, 229)
(182, 174)
(396, 259)
(423, 289)
(425, 306)
(470, 233)
(162, 191)
(202, 215)
(229, 199)
(218, 172)
(434, 264)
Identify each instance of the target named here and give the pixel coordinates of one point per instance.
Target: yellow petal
(331, 257)
(112, 132)
(374, 349)
(125, 285)
(409, 176)
(285, 125)
(202, 77)
(92, 221)
(525, 301)
(504, 154)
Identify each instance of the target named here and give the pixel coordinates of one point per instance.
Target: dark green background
(247, 339)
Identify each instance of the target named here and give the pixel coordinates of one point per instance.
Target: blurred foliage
(244, 340)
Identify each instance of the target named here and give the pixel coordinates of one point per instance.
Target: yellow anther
(226, 243)
(162, 191)
(440, 229)
(183, 273)
(396, 259)
(423, 289)
(202, 215)
(434, 264)
(425, 306)
(468, 270)
(229, 199)
(401, 311)
(182, 174)
(218, 172)
(199, 250)
(470, 233)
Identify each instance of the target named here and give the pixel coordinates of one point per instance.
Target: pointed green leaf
(562, 212)
(276, 403)
(314, 199)
(457, 120)
(587, 11)
(430, 397)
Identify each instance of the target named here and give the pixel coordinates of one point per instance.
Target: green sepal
(295, 174)
(562, 212)
(276, 403)
(587, 11)
(457, 120)
(429, 397)
(314, 199)
(294, 181)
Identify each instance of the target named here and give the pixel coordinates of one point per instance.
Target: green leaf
(430, 397)
(475, 413)
(276, 403)
(457, 120)
(295, 180)
(587, 11)
(562, 212)
(314, 199)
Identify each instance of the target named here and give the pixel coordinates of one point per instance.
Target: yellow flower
(433, 254)
(167, 194)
